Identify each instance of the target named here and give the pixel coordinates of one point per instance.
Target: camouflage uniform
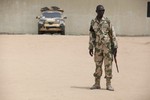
(101, 43)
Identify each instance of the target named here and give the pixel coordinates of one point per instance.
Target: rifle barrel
(116, 64)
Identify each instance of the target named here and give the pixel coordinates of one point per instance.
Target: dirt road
(58, 67)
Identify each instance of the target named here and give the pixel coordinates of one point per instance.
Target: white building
(129, 17)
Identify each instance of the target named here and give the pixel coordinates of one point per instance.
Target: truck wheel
(39, 32)
(63, 32)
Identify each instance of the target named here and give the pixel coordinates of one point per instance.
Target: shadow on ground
(87, 88)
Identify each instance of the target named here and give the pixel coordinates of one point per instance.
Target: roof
(53, 8)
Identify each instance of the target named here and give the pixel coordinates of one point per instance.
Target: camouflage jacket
(101, 32)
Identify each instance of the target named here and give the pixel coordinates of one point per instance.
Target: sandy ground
(58, 67)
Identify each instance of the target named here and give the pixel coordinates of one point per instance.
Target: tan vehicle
(51, 21)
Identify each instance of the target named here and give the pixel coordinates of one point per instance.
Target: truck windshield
(52, 15)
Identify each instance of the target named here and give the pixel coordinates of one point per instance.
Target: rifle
(114, 53)
(116, 63)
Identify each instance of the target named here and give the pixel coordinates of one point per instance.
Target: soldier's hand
(91, 52)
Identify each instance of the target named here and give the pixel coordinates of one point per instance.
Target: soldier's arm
(92, 36)
(113, 35)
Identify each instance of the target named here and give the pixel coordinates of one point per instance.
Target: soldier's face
(100, 12)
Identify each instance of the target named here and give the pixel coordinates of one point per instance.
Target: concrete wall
(128, 16)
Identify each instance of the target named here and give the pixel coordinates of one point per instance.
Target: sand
(54, 67)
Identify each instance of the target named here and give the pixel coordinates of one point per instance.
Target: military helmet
(100, 8)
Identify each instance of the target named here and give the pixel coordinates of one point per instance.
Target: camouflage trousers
(103, 54)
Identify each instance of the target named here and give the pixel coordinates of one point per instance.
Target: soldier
(102, 36)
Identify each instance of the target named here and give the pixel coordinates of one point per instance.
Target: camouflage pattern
(101, 43)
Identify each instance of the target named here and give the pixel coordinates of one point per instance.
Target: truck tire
(62, 32)
(39, 32)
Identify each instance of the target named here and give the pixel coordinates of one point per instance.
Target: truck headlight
(57, 20)
(41, 22)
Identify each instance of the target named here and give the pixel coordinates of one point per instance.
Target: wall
(128, 16)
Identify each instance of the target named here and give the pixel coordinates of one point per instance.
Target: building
(129, 17)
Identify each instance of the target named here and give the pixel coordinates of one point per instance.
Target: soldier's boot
(108, 85)
(97, 84)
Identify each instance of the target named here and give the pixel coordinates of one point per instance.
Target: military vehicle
(51, 21)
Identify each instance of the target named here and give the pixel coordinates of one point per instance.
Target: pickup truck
(51, 21)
